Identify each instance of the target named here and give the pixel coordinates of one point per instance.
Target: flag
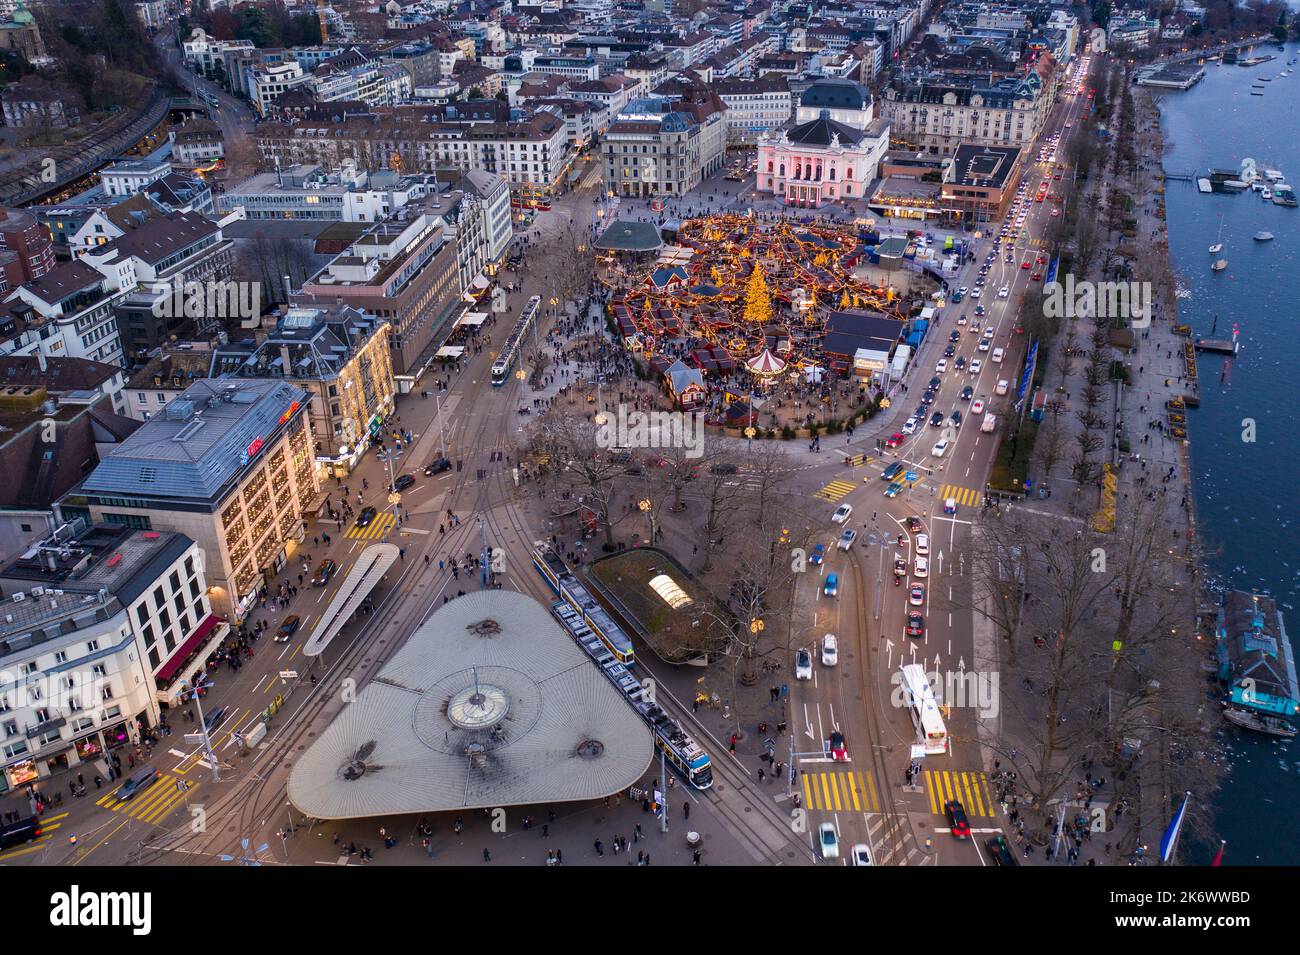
(1218, 856)
(1170, 839)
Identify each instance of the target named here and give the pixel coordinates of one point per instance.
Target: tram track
(897, 834)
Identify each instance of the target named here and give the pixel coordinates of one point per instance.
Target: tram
(567, 587)
(510, 350)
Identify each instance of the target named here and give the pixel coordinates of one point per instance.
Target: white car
(923, 543)
(861, 854)
(961, 320)
(941, 367)
(975, 366)
(988, 332)
(975, 292)
(842, 513)
(985, 344)
(921, 567)
(1004, 292)
(977, 407)
(828, 840)
(847, 538)
(909, 426)
(830, 650)
(940, 448)
(802, 665)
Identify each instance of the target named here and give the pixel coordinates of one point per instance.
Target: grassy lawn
(1009, 473)
(670, 633)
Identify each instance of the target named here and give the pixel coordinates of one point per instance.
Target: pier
(1220, 346)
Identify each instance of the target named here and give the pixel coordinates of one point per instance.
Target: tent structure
(766, 364)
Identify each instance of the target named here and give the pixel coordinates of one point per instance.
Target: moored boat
(1256, 664)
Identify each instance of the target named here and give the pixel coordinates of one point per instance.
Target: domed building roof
(823, 131)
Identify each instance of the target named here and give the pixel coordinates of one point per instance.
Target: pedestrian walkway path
(835, 490)
(48, 825)
(154, 803)
(379, 527)
(967, 497)
(841, 792)
(969, 788)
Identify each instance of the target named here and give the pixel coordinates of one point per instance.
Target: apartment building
(663, 146)
(936, 113)
(754, 106)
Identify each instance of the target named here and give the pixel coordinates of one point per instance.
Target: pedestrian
(600, 847)
(695, 857)
(487, 856)
(546, 830)
(686, 810)
(559, 857)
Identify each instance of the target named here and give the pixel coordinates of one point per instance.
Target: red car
(839, 751)
(1025, 264)
(957, 823)
(1036, 276)
(1040, 259)
(894, 440)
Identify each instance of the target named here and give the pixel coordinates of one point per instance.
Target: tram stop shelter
(489, 703)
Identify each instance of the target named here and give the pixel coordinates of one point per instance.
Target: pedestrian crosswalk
(841, 792)
(380, 526)
(835, 490)
(965, 496)
(153, 804)
(971, 789)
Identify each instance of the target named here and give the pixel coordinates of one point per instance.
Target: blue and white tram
(514, 341)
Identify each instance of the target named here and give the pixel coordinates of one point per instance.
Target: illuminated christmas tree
(758, 301)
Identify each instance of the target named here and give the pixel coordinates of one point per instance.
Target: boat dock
(1256, 665)
(1219, 346)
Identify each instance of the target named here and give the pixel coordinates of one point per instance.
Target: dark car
(936, 420)
(955, 418)
(960, 363)
(950, 351)
(1000, 852)
(967, 393)
(403, 482)
(437, 466)
(927, 397)
(935, 382)
(214, 719)
(365, 517)
(954, 335)
(324, 571)
(914, 523)
(288, 628)
(724, 468)
(957, 823)
(915, 625)
(138, 783)
(892, 471)
(16, 833)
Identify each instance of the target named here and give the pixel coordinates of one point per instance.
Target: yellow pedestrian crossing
(969, 788)
(152, 804)
(841, 792)
(380, 526)
(835, 490)
(967, 497)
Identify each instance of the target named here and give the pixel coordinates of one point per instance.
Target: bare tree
(578, 466)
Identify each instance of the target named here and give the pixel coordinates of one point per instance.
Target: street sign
(194, 739)
(911, 476)
(288, 674)
(918, 751)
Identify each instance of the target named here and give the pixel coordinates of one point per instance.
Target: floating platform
(1220, 346)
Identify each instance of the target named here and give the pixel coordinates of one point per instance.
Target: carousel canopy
(765, 363)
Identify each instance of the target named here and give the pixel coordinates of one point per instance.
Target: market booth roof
(626, 236)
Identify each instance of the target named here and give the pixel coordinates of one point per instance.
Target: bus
(921, 704)
(510, 350)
